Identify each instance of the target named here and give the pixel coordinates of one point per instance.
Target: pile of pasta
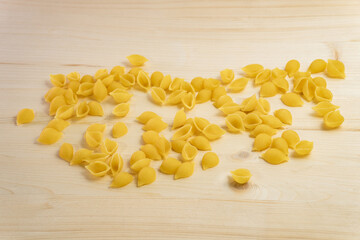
(73, 96)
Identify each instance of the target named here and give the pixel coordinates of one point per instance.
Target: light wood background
(42, 197)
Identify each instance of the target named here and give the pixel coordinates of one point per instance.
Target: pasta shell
(201, 143)
(211, 83)
(262, 141)
(183, 133)
(70, 97)
(299, 84)
(299, 75)
(323, 94)
(281, 144)
(292, 99)
(163, 146)
(198, 83)
(93, 138)
(58, 80)
(189, 152)
(65, 112)
(98, 168)
(136, 70)
(187, 87)
(121, 95)
(87, 78)
(158, 95)
(176, 84)
(96, 157)
(165, 82)
(80, 155)
(155, 124)
(322, 108)
(204, 95)
(25, 115)
(137, 60)
(309, 90)
(74, 86)
(320, 82)
(82, 110)
(53, 92)
(95, 109)
(117, 70)
(146, 116)
(96, 127)
(335, 69)
(146, 176)
(272, 121)
(274, 156)
(213, 132)
(136, 156)
(284, 116)
(119, 130)
(66, 152)
(143, 81)
(85, 89)
(101, 74)
(151, 151)
(121, 180)
(241, 114)
(227, 75)
(188, 100)
(222, 101)
(209, 160)
(262, 128)
(127, 80)
(49, 136)
(317, 66)
(116, 164)
(73, 77)
(263, 106)
(185, 170)
(57, 102)
(291, 137)
(200, 123)
(151, 137)
(139, 164)
(58, 124)
(238, 84)
(333, 119)
(175, 97)
(304, 147)
(249, 104)
(156, 78)
(169, 165)
(241, 175)
(229, 108)
(179, 119)
(268, 89)
(177, 145)
(108, 80)
(251, 121)
(292, 67)
(217, 93)
(281, 83)
(121, 110)
(252, 70)
(278, 73)
(100, 91)
(109, 146)
(263, 77)
(234, 123)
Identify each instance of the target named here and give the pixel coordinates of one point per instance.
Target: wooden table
(41, 197)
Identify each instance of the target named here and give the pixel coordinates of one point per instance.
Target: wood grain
(317, 197)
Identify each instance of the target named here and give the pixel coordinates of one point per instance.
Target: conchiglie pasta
(284, 116)
(272, 121)
(227, 75)
(136, 156)
(58, 80)
(263, 77)
(121, 110)
(119, 130)
(241, 175)
(121, 180)
(151, 151)
(213, 132)
(96, 157)
(335, 69)
(117, 70)
(274, 156)
(263, 128)
(234, 123)
(281, 83)
(281, 144)
(93, 138)
(185, 170)
(209, 160)
(183, 133)
(291, 137)
(292, 67)
(65, 112)
(116, 164)
(85, 89)
(86, 78)
(317, 66)
(333, 119)
(179, 119)
(176, 84)
(238, 84)
(101, 74)
(73, 77)
(177, 145)
(304, 147)
(320, 82)
(25, 115)
(187, 87)
(165, 82)
(251, 121)
(74, 86)
(163, 146)
(49, 136)
(53, 92)
(189, 152)
(156, 78)
(197, 83)
(252, 70)
(278, 73)
(322, 108)
(143, 81)
(108, 80)
(229, 108)
(292, 99)
(95, 109)
(268, 89)
(201, 143)
(99, 91)
(98, 168)
(222, 101)
(323, 94)
(249, 104)
(262, 141)
(58, 124)
(80, 155)
(309, 90)
(175, 97)
(200, 123)
(146, 116)
(96, 127)
(158, 95)
(121, 95)
(109, 146)
(70, 97)
(136, 59)
(146, 176)
(204, 95)
(82, 110)
(217, 93)
(136, 70)
(141, 163)
(211, 83)
(66, 152)
(155, 124)
(188, 100)
(151, 137)
(127, 80)
(263, 106)
(169, 165)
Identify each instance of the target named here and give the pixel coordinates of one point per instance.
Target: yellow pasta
(117, 70)
(323, 94)
(249, 104)
(86, 78)
(65, 112)
(136, 70)
(251, 121)
(320, 82)
(333, 119)
(169, 165)
(121, 95)
(137, 60)
(53, 92)
(151, 151)
(183, 133)
(96, 157)
(190, 121)
(66, 152)
(187, 87)
(268, 89)
(263, 77)
(85, 89)
(146, 116)
(121, 180)
(177, 145)
(141, 163)
(127, 80)
(116, 164)
(58, 124)
(209, 160)
(93, 138)
(25, 115)
(292, 67)
(136, 156)
(222, 101)
(281, 83)
(98, 168)
(227, 75)
(262, 141)
(189, 152)
(80, 155)
(217, 93)
(179, 119)
(317, 66)
(185, 170)
(292, 99)
(272, 121)
(58, 80)
(175, 97)
(151, 137)
(284, 116)
(197, 83)
(263, 128)
(291, 137)
(213, 132)
(74, 86)
(119, 130)
(281, 144)
(156, 78)
(70, 97)
(211, 83)
(238, 84)
(163, 146)
(82, 110)
(241, 175)
(200, 123)
(146, 176)
(234, 123)
(73, 77)
(99, 91)
(109, 146)
(252, 70)
(335, 69)
(165, 82)
(309, 90)
(176, 84)
(274, 156)
(229, 108)
(201, 143)
(96, 127)
(241, 114)
(322, 108)
(263, 106)
(188, 100)
(304, 147)
(155, 124)
(95, 109)
(143, 81)
(278, 73)
(101, 74)
(121, 110)
(204, 95)
(108, 80)
(49, 136)
(158, 95)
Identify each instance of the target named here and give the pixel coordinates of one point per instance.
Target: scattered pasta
(333, 119)
(262, 141)
(274, 156)
(66, 152)
(227, 75)
(25, 115)
(137, 60)
(304, 147)
(241, 175)
(121, 180)
(119, 130)
(49, 136)
(185, 170)
(121, 110)
(201, 143)
(209, 160)
(335, 69)
(170, 165)
(292, 99)
(146, 176)
(284, 116)
(291, 137)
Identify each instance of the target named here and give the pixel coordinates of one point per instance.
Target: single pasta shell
(274, 156)
(209, 160)
(333, 119)
(49, 136)
(146, 176)
(262, 141)
(241, 175)
(169, 165)
(136, 59)
(185, 170)
(121, 180)
(304, 147)
(25, 115)
(292, 99)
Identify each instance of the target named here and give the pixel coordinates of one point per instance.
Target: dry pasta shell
(183, 133)
(136, 156)
(241, 175)
(211, 83)
(99, 91)
(281, 144)
(74, 86)
(163, 146)
(234, 123)
(278, 73)
(136, 59)
(227, 75)
(291, 137)
(143, 81)
(121, 180)
(262, 141)
(268, 89)
(121, 95)
(292, 99)
(175, 97)
(119, 130)
(323, 94)
(136, 70)
(209, 160)
(155, 124)
(200, 123)
(98, 168)
(80, 155)
(252, 70)
(304, 147)
(95, 109)
(49, 136)
(284, 116)
(281, 83)
(96, 127)
(179, 119)
(70, 97)
(53, 92)
(201, 143)
(58, 80)
(121, 110)
(176, 84)
(222, 101)
(229, 108)
(169, 165)
(146, 116)
(58, 124)
(65, 112)
(165, 82)
(96, 157)
(158, 95)
(156, 78)
(309, 90)
(189, 152)
(320, 82)
(108, 80)
(146, 176)
(85, 89)
(298, 75)
(317, 66)
(117, 70)
(66, 152)
(263, 77)
(25, 115)
(213, 132)
(249, 104)
(322, 108)
(93, 138)
(109, 146)
(197, 83)
(151, 137)
(204, 95)
(274, 156)
(101, 74)
(238, 84)
(116, 164)
(185, 170)
(263, 106)
(251, 121)
(86, 78)
(57, 102)
(73, 77)
(187, 87)
(82, 110)
(127, 80)
(272, 121)
(299, 84)
(292, 67)
(151, 151)
(177, 145)
(263, 128)
(333, 119)
(217, 93)
(188, 100)
(139, 164)
(335, 69)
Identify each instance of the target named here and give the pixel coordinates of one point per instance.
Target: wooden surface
(41, 197)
